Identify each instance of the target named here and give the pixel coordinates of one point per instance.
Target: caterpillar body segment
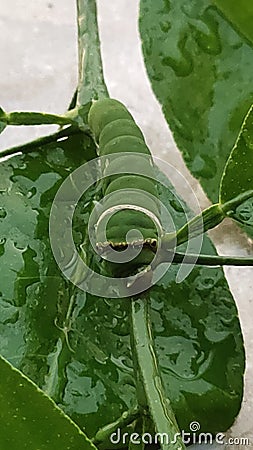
(124, 144)
(104, 112)
(118, 128)
(131, 213)
(132, 164)
(131, 181)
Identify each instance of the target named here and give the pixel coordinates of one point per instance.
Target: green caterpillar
(116, 132)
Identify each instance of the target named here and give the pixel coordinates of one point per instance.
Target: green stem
(207, 219)
(206, 260)
(91, 83)
(140, 428)
(36, 118)
(229, 207)
(40, 142)
(150, 391)
(126, 419)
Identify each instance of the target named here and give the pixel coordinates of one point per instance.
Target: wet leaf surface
(200, 69)
(240, 14)
(81, 358)
(31, 420)
(237, 179)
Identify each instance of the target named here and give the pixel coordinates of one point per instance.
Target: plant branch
(40, 142)
(207, 219)
(126, 419)
(91, 83)
(150, 391)
(35, 118)
(205, 260)
(230, 206)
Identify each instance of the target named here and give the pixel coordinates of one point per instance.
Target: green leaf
(2, 123)
(81, 358)
(91, 83)
(76, 346)
(31, 420)
(34, 295)
(198, 340)
(236, 187)
(79, 116)
(201, 72)
(31, 146)
(2, 127)
(240, 14)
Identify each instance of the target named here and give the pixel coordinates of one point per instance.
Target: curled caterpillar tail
(129, 220)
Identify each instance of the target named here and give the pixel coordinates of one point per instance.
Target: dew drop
(204, 166)
(209, 41)
(34, 302)
(248, 137)
(176, 205)
(19, 246)
(181, 67)
(165, 26)
(207, 283)
(31, 193)
(3, 213)
(244, 212)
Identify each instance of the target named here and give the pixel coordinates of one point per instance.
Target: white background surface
(38, 71)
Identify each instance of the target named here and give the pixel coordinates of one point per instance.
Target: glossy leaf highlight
(82, 357)
(236, 187)
(201, 72)
(240, 14)
(30, 419)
